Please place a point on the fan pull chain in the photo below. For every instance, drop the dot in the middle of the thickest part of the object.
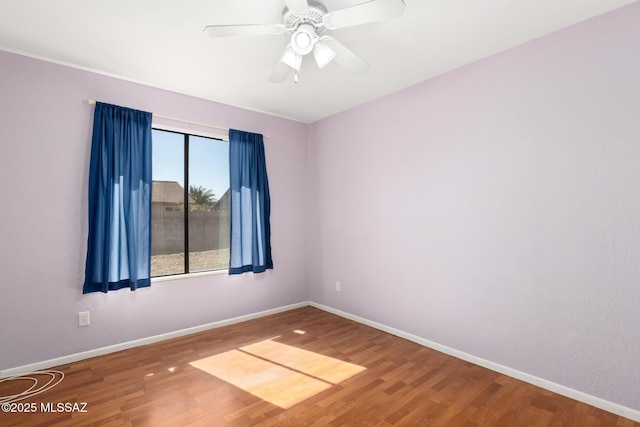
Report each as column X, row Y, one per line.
column 295, row 77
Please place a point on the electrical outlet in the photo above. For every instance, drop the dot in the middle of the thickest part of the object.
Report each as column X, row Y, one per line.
column 338, row 287
column 83, row 318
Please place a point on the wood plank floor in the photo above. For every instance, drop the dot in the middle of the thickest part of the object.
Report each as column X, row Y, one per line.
column 360, row 377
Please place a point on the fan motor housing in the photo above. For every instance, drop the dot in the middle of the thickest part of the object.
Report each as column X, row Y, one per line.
column 313, row 16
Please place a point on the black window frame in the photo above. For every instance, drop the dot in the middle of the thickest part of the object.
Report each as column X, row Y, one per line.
column 186, row 203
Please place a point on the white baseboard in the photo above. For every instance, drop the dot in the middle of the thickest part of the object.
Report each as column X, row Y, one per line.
column 20, row 370
column 614, row 408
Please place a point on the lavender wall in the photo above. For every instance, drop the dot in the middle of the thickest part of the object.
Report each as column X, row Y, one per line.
column 496, row 209
column 45, row 130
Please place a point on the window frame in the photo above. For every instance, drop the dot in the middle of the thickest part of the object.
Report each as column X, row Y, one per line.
column 186, row 133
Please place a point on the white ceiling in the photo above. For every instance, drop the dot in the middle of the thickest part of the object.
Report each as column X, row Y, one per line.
column 161, row 43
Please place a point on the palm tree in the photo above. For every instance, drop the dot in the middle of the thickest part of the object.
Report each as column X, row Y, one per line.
column 202, row 199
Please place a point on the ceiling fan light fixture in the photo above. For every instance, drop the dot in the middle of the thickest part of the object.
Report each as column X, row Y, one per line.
column 292, row 59
column 323, row 54
column 304, row 38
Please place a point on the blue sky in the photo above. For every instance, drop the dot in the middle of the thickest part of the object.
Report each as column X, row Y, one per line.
column 208, row 161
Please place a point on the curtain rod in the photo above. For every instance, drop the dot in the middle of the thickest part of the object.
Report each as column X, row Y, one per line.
column 176, row 119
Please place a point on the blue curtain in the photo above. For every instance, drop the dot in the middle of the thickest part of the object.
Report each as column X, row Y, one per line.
column 250, row 204
column 119, row 243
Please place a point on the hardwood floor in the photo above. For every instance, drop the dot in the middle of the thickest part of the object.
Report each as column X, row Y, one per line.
column 309, row 367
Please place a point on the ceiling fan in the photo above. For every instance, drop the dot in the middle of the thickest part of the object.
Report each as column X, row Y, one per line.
column 307, row 22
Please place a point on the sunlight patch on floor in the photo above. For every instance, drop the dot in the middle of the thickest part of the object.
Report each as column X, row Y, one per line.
column 313, row 364
column 280, row 374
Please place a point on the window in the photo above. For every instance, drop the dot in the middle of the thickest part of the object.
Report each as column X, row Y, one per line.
column 190, row 204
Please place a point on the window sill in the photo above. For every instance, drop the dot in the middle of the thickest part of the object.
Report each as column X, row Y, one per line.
column 188, row 276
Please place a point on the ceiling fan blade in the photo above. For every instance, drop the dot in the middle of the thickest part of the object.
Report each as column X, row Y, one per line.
column 289, row 60
column 280, row 72
column 297, row 6
column 243, row 30
column 364, row 13
column 345, row 57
